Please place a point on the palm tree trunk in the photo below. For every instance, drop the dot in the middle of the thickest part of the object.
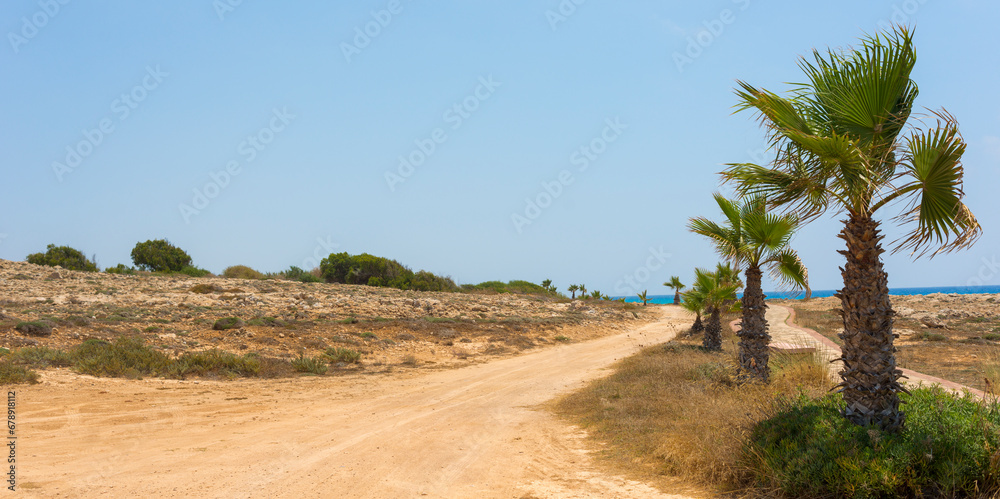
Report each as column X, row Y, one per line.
column 677, row 297
column 697, row 327
column 713, row 331
column 870, row 379
column 754, row 338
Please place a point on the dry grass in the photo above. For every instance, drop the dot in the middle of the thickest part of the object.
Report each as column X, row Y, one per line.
column 674, row 411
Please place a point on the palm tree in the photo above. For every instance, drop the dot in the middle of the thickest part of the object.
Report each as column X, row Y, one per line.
column 841, row 147
column 717, row 295
column 573, row 288
column 693, row 301
column 751, row 236
column 595, row 294
column 643, row 298
column 675, row 284
column 583, row 291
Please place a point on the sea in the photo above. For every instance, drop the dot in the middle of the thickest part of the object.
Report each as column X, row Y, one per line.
column 821, row 293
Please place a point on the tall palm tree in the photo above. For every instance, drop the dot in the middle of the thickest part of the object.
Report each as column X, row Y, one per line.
column 717, row 295
column 843, row 145
column 573, row 288
column 675, row 284
column 750, row 236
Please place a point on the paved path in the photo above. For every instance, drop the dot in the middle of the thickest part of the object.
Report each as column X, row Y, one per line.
column 781, row 321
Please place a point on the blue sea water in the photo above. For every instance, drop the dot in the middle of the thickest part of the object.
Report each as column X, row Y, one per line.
column 821, row 293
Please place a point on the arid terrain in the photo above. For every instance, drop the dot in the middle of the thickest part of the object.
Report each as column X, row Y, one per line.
column 949, row 336
column 466, row 420
column 285, row 319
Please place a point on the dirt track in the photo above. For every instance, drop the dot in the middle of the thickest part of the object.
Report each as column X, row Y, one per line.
column 469, row 432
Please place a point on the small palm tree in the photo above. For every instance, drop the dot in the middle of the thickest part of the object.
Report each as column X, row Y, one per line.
column 573, row 288
column 675, row 284
column 643, row 298
column 751, row 236
column 583, row 291
column 694, row 302
column 717, row 296
column 595, row 294
column 843, row 145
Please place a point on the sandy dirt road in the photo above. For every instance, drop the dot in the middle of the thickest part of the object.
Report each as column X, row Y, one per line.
column 469, row 432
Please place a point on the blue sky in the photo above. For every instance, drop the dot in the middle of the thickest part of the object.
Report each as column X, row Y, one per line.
column 266, row 134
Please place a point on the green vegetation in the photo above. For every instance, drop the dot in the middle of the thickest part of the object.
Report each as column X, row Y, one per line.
column 643, row 298
column 844, row 147
column 512, row 287
column 381, row 272
column 228, row 323
column 63, row 256
column 311, row 365
column 340, row 354
column 161, row 256
column 296, row 274
column 716, row 293
column 241, row 272
column 121, row 269
column 11, row 374
column 34, row 328
column 675, row 284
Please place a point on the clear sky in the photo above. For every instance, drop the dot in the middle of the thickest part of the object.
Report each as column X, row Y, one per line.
column 263, row 133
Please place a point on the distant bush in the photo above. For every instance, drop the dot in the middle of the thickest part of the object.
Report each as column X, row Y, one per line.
column 514, row 287
column 313, row 365
column 380, row 272
column 120, row 269
column 63, row 256
column 160, row 256
column 194, row 271
column 228, row 323
column 34, row 328
column 241, row 272
column 126, row 357
column 296, row 274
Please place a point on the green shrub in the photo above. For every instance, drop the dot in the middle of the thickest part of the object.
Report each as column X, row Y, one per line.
column 313, row 365
column 340, row 354
column 11, row 374
column 194, row 272
column 204, row 289
column 160, row 256
column 216, row 362
column 34, row 328
column 514, row 287
column 63, row 256
column 296, row 274
column 241, row 272
column 40, row 357
column 377, row 271
column 228, row 323
column 949, row 448
column 120, row 269
column 126, row 357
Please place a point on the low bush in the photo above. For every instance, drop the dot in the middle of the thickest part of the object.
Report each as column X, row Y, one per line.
column 40, row 357
column 381, row 272
column 215, row 362
column 191, row 271
column 120, row 269
column 241, row 272
column 11, row 374
column 125, row 357
column 340, row 354
column 63, row 256
column 228, row 323
column 34, row 328
column 296, row 274
column 512, row 287
column 312, row 365
column 949, row 448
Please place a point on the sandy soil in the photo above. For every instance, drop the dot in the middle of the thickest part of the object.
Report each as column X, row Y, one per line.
column 475, row 431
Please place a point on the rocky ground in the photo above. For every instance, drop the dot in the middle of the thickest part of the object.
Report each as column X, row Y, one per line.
column 950, row 336
column 286, row 319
